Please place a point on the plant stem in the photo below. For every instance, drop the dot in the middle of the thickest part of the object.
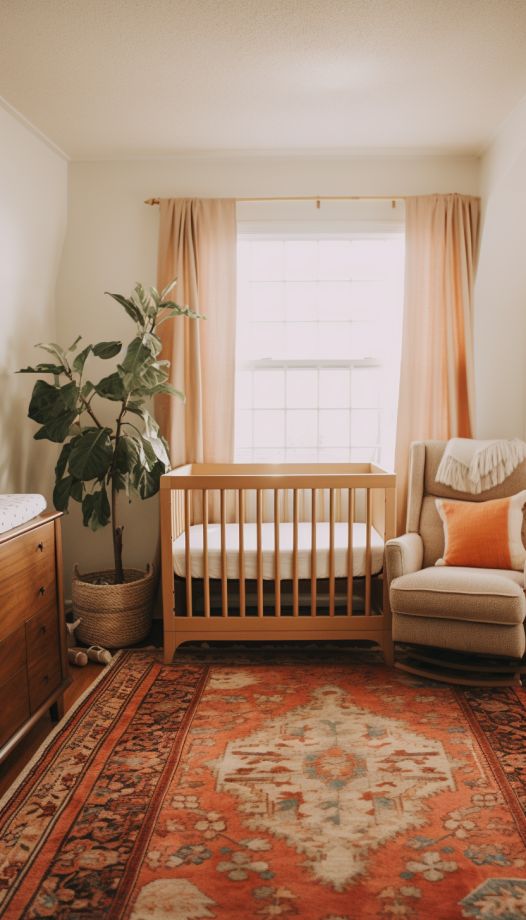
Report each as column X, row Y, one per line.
column 117, row 531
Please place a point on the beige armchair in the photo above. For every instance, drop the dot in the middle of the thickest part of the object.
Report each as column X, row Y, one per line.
column 476, row 611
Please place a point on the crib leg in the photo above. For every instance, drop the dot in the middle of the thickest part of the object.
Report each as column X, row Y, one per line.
column 169, row 647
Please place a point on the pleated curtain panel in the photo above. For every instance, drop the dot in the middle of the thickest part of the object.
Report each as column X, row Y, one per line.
column 436, row 380
column 198, row 245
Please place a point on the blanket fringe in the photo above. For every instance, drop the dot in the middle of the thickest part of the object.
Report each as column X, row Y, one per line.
column 488, row 468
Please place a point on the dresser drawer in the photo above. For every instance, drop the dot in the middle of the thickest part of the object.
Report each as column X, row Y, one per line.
column 12, row 654
column 15, row 704
column 27, row 576
column 45, row 675
column 42, row 634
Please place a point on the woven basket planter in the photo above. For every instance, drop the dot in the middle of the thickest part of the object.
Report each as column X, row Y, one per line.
column 114, row 616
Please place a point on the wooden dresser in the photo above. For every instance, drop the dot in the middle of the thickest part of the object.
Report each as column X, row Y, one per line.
column 33, row 658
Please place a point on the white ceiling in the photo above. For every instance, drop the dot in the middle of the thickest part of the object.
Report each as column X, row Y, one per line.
column 142, row 78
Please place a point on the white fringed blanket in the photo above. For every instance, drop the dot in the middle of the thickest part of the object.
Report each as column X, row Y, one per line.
column 474, row 466
column 17, row 509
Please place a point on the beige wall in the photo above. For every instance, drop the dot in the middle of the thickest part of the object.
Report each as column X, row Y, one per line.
column 33, row 196
column 112, row 238
column 500, row 294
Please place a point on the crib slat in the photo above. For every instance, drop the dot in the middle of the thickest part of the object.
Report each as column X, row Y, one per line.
column 224, row 589
column 242, row 594
column 277, row 579
column 259, row 571
column 331, row 552
column 313, row 599
column 206, row 580
column 187, row 553
column 350, row 520
column 295, row 586
column 368, row 555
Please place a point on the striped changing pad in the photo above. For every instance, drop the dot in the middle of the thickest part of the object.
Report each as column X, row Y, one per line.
column 17, row 509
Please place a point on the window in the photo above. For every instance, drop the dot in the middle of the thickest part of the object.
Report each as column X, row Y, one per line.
column 319, row 328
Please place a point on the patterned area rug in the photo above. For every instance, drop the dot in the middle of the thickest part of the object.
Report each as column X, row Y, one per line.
column 272, row 784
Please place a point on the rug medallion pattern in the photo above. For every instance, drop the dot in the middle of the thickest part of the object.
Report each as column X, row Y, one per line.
column 272, row 785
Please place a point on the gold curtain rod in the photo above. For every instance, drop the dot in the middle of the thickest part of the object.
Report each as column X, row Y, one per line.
column 317, row 198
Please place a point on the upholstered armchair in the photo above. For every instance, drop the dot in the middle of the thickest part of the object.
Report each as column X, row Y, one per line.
column 478, row 611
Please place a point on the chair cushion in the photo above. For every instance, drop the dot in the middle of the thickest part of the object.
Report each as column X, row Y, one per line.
column 458, row 593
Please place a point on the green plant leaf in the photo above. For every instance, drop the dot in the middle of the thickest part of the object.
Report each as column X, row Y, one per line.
column 107, row 349
column 111, row 387
column 55, row 369
column 96, row 509
column 73, row 346
column 87, row 389
column 80, row 360
column 137, row 354
column 131, row 308
column 55, row 408
column 77, row 490
column 50, row 402
column 167, row 290
column 91, row 455
column 54, row 349
column 146, row 482
column 127, row 453
column 167, row 388
column 62, row 461
column 61, row 493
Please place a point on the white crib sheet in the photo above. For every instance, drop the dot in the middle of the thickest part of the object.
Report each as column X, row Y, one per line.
column 285, row 550
column 17, row 509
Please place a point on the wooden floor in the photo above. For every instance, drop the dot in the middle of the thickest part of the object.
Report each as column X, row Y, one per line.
column 81, row 678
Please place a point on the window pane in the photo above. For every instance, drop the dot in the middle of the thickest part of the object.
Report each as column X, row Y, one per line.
column 367, row 454
column 334, row 388
column 365, row 392
column 311, row 309
column 301, row 301
column 269, row 389
column 363, row 341
column 267, row 301
column 334, row 428
column 244, row 428
column 269, row 428
column 326, row 454
column 335, row 300
column 303, row 340
column 366, row 259
column 302, row 428
column 302, row 388
column 301, row 260
column 335, row 340
column 335, row 259
column 299, row 454
column 269, row 454
column 267, row 260
column 364, row 427
column 267, row 340
column 244, row 389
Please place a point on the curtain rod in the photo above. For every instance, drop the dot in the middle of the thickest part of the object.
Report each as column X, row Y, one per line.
column 317, row 198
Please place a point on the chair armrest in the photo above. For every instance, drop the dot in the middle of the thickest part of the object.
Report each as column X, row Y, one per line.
column 403, row 555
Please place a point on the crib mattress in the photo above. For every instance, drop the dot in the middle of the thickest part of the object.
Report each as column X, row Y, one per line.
column 285, row 551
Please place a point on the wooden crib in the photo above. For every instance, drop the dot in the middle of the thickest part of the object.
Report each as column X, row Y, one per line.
column 275, row 551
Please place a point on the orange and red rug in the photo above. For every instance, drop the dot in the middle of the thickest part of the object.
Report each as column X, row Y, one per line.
column 275, row 785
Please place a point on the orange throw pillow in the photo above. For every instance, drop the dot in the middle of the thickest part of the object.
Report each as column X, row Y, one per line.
column 485, row 535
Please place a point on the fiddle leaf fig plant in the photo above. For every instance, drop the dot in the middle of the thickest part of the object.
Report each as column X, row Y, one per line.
column 100, row 459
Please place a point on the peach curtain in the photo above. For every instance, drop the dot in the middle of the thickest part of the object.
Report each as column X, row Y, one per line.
column 436, row 380
column 197, row 245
